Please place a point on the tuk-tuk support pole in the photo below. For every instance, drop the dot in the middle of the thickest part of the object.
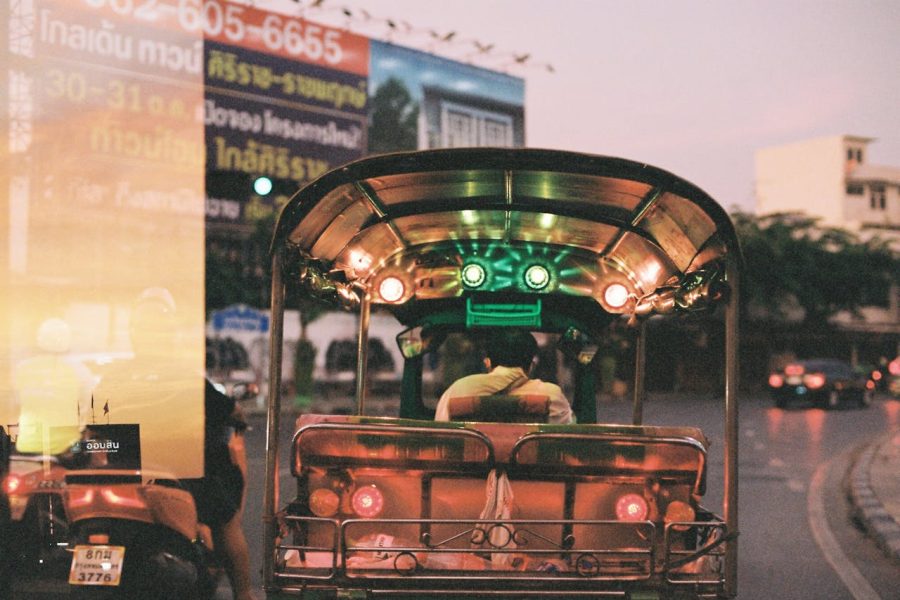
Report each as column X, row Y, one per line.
column 362, row 349
column 732, row 314
column 273, row 415
column 640, row 370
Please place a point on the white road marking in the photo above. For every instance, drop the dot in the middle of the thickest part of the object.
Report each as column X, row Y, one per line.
column 856, row 584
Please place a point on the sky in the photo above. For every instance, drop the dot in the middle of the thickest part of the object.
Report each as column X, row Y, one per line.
column 693, row 87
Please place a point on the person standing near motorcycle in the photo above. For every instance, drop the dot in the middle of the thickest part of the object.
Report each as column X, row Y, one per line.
column 154, row 383
column 220, row 494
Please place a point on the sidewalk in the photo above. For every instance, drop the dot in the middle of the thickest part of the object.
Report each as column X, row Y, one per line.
column 874, row 491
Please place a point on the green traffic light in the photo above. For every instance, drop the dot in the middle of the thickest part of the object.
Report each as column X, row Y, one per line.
column 262, row 185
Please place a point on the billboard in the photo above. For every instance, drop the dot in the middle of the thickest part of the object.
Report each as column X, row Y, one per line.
column 285, row 99
column 420, row 101
column 131, row 131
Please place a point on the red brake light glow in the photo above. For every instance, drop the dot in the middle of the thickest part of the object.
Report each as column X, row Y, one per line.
column 776, row 380
column 792, row 370
column 121, row 500
column 324, row 502
column 631, row 507
column 814, row 380
column 11, row 484
column 876, row 375
column 894, row 367
column 367, row 502
column 870, row 385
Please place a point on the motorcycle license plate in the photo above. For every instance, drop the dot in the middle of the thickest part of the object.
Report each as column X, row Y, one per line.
column 97, row 565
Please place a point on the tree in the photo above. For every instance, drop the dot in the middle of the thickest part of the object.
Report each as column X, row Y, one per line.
column 792, row 261
column 393, row 120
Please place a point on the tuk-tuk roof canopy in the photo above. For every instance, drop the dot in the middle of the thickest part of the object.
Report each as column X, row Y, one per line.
column 532, row 221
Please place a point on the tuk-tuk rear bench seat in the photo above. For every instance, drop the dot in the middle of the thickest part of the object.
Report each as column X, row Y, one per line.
column 434, row 492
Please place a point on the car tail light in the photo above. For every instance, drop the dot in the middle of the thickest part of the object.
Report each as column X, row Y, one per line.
column 791, row 370
column 776, row 380
column 631, row 507
column 367, row 502
column 870, row 385
column 876, row 375
column 11, row 484
column 324, row 502
column 894, row 367
column 814, row 380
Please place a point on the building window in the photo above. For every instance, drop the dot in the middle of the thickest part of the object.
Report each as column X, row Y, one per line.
column 878, row 198
column 849, row 153
column 855, row 189
column 470, row 126
column 858, row 155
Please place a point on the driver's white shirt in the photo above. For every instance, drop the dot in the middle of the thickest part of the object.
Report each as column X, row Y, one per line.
column 511, row 380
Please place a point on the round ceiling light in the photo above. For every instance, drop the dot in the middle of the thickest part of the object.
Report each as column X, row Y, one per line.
column 615, row 295
column 391, row 289
column 473, row 275
column 537, row 277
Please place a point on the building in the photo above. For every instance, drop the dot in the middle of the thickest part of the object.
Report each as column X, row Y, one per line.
column 831, row 178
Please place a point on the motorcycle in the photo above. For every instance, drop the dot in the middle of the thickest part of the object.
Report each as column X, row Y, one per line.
column 135, row 534
column 111, row 513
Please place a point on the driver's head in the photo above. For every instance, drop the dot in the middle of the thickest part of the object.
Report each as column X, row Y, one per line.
column 510, row 348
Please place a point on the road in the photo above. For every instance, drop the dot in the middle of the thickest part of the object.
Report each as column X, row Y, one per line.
column 792, row 464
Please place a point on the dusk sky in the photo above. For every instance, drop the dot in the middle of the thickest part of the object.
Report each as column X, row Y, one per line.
column 694, row 87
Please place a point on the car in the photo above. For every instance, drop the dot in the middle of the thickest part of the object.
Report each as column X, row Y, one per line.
column 826, row 382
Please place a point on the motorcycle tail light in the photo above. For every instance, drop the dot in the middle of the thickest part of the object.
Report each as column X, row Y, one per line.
column 98, row 538
column 367, row 502
column 631, row 507
column 876, row 375
column 870, row 385
column 814, row 380
column 776, row 380
column 324, row 502
column 11, row 484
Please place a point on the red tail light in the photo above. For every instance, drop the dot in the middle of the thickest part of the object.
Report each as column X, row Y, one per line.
column 324, row 502
column 792, row 370
column 876, row 375
column 814, row 380
column 776, row 380
column 631, row 507
column 11, row 484
column 679, row 512
column 122, row 499
column 870, row 385
column 894, row 367
column 367, row 502
column 81, row 497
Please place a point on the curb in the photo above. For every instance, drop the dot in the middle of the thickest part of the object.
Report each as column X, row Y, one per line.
column 867, row 508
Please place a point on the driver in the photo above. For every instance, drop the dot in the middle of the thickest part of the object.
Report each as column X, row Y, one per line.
column 509, row 357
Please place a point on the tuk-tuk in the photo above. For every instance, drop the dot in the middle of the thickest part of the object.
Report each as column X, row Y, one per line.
column 497, row 501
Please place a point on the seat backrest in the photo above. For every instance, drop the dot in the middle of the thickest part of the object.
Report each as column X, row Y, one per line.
column 525, row 408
